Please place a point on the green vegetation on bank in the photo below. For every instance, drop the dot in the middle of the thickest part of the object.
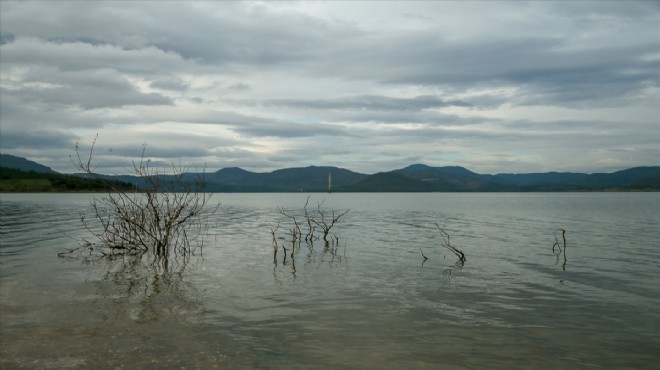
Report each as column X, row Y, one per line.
column 14, row 180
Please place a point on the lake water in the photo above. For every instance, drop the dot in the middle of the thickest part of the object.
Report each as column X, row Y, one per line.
column 370, row 303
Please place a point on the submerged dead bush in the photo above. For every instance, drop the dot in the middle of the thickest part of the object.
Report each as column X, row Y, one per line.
column 558, row 250
column 292, row 236
column 162, row 216
column 446, row 242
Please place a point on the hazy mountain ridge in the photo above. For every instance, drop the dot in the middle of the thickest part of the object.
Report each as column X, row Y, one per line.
column 310, row 178
column 23, row 164
column 413, row 178
column 390, row 182
column 451, row 178
column 462, row 179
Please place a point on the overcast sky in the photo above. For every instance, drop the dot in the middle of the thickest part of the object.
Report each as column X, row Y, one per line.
column 493, row 86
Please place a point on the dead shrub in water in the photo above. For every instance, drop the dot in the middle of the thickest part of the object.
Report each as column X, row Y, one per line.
column 164, row 216
column 558, row 250
column 328, row 220
column 447, row 244
column 324, row 219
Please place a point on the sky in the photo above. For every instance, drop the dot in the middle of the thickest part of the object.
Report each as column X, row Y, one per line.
column 495, row 86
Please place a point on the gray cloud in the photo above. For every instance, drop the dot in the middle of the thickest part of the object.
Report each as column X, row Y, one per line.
column 90, row 95
column 368, row 103
column 291, row 130
column 6, row 38
column 135, row 151
column 225, row 32
column 368, row 86
column 544, row 68
column 169, row 83
column 80, row 56
column 256, row 126
column 239, row 86
column 37, row 138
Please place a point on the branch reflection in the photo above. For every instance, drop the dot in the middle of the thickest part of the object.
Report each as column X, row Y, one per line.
column 148, row 287
column 448, row 273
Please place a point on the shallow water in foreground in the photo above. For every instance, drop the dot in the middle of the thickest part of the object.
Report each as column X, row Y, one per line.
column 371, row 303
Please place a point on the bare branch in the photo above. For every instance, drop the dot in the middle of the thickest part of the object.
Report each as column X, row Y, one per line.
column 326, row 225
column 558, row 250
column 425, row 258
column 158, row 219
column 447, row 244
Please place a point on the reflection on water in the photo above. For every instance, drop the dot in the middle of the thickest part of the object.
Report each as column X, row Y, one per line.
column 370, row 301
column 309, row 257
column 148, row 287
column 448, row 273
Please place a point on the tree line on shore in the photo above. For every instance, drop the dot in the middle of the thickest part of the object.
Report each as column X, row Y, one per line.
column 14, row 180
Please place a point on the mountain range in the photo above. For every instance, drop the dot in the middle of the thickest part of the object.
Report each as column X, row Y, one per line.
column 414, row 178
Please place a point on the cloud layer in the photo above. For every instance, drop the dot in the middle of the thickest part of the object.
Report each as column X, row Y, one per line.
column 493, row 86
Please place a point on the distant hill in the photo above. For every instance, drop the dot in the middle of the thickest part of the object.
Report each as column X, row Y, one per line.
column 637, row 177
column 462, row 179
column 20, row 163
column 390, row 182
column 536, row 179
column 229, row 176
column 305, row 179
column 414, row 178
column 452, row 178
column 419, row 169
column 634, row 178
column 234, row 179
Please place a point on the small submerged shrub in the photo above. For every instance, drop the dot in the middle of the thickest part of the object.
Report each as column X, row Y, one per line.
column 321, row 219
column 163, row 217
column 446, row 242
column 558, row 250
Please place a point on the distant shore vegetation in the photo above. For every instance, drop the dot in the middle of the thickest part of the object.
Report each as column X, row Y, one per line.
column 17, row 181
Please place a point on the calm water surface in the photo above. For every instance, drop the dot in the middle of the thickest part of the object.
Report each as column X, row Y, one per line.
column 371, row 303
